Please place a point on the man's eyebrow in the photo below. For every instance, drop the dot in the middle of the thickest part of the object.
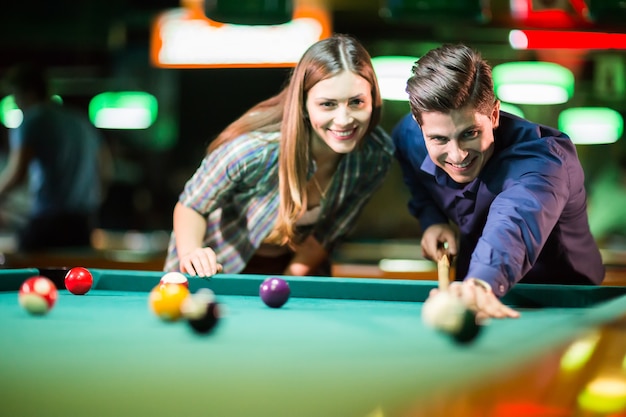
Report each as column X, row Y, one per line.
column 435, row 135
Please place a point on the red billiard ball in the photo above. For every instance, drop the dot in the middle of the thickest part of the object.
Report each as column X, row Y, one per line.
column 165, row 301
column 37, row 295
column 274, row 292
column 78, row 280
column 175, row 278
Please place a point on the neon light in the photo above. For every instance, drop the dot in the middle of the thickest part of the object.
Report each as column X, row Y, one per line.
column 533, row 82
column 406, row 265
column 123, row 110
column 11, row 116
column 550, row 39
column 534, row 14
column 604, row 395
column 579, row 352
column 511, row 108
column 392, row 73
column 184, row 38
column 591, row 125
column 519, row 9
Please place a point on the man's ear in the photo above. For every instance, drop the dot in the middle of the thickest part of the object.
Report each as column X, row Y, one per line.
column 495, row 114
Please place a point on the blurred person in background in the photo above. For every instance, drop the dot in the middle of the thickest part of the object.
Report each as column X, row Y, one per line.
column 61, row 157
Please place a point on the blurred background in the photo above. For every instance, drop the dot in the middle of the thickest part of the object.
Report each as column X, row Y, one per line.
column 195, row 76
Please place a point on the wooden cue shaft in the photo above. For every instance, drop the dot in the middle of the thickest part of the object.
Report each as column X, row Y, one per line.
column 443, row 272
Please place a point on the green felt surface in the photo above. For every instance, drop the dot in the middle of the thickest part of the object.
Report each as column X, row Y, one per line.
column 339, row 347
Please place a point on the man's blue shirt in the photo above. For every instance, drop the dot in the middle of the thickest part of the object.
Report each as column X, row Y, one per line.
column 523, row 217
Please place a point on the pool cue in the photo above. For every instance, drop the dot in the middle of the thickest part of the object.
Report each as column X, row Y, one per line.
column 443, row 272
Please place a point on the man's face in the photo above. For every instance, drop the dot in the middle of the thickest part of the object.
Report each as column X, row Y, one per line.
column 460, row 142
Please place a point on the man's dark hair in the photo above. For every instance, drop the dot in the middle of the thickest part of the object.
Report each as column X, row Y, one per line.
column 449, row 78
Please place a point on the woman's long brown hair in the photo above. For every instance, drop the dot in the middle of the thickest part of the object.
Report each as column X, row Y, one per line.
column 286, row 112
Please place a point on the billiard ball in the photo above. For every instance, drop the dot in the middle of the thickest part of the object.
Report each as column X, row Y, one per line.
column 78, row 280
column 165, row 301
column 447, row 313
column 274, row 292
column 175, row 278
column 201, row 310
column 37, row 295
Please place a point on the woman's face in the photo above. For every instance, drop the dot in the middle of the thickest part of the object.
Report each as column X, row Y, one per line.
column 340, row 109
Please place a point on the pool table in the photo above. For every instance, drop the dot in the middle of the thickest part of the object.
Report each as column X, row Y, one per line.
column 339, row 347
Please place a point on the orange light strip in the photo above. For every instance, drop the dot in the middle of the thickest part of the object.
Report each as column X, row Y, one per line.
column 550, row 39
column 186, row 38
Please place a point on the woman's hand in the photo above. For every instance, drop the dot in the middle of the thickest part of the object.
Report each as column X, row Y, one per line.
column 200, row 262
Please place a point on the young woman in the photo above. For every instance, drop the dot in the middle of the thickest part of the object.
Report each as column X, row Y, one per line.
column 284, row 183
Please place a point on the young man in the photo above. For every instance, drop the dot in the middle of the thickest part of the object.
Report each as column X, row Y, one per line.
column 504, row 195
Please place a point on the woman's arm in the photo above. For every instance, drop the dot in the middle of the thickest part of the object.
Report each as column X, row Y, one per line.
column 189, row 229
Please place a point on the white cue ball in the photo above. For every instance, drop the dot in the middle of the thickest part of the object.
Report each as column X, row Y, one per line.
column 175, row 278
column 444, row 312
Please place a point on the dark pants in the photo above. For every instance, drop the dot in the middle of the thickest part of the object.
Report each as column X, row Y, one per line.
column 52, row 231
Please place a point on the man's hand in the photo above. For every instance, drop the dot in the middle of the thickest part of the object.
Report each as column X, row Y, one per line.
column 479, row 298
column 437, row 240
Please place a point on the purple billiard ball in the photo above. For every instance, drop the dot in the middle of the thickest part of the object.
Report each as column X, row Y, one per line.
column 274, row 292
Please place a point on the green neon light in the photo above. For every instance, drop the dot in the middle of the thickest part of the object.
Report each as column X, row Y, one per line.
column 10, row 115
column 512, row 108
column 392, row 73
column 123, row 110
column 591, row 125
column 533, row 82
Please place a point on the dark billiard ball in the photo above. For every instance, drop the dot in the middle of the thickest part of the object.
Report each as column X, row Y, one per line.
column 207, row 320
column 78, row 280
column 468, row 329
column 274, row 292
column 201, row 311
column 447, row 314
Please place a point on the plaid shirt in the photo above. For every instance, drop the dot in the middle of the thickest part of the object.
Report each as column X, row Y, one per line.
column 236, row 190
